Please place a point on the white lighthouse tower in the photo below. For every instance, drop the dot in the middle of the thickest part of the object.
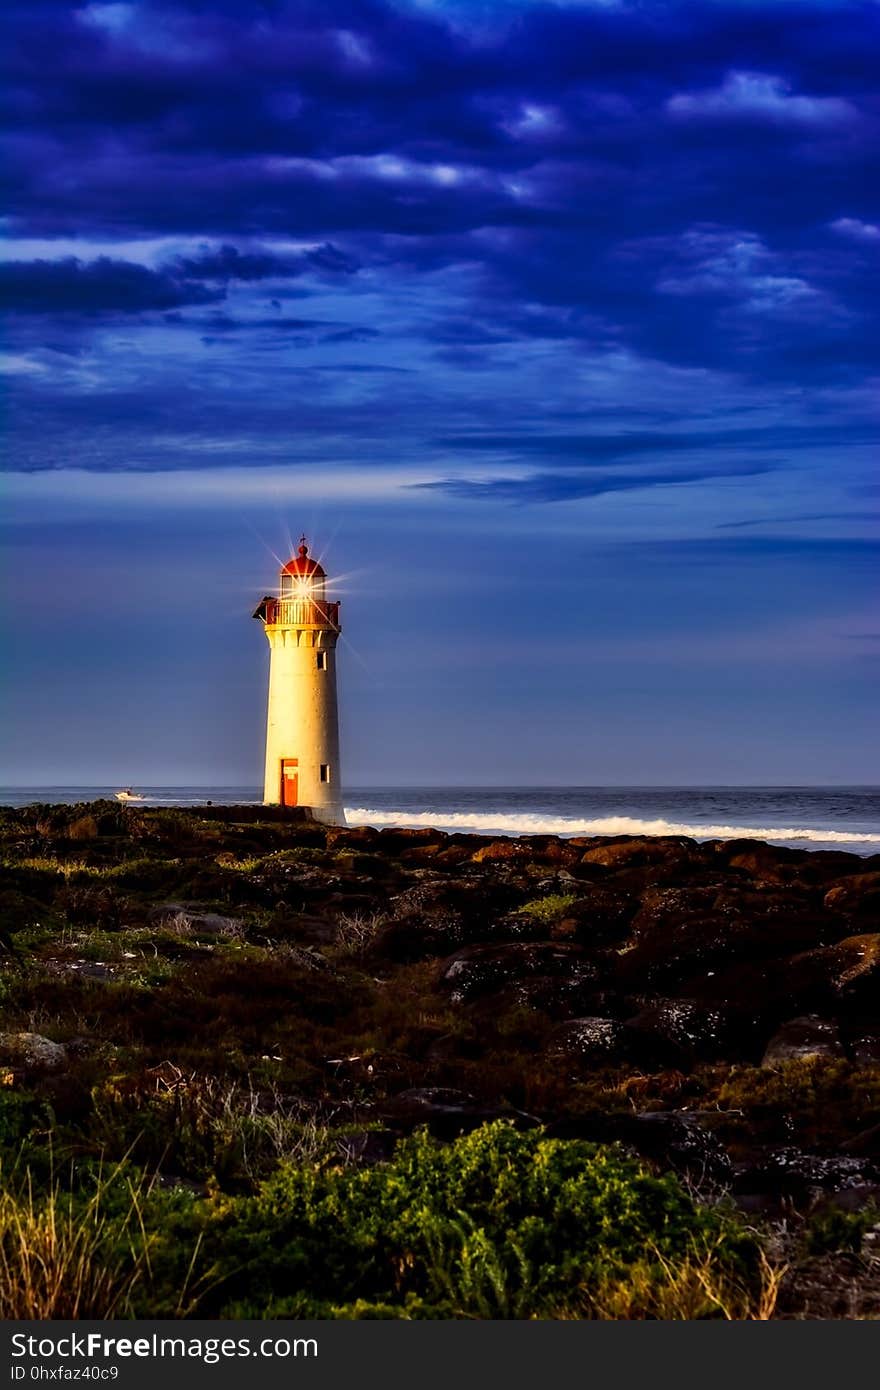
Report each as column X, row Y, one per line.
column 302, row 728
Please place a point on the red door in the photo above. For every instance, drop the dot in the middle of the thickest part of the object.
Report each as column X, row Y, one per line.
column 289, row 781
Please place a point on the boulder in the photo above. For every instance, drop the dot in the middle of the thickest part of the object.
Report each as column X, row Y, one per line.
column 439, row 915
column 797, row 1173
column 356, row 837
column 848, row 971
column 842, row 980
column 675, row 1032
column 446, row 1112
column 590, row 1039
column 30, row 1052
column 418, row 938
column 661, row 852
column 672, row 953
column 864, row 1048
column 678, row 1139
column 479, row 970
column 856, row 896
column 394, row 840
column 599, row 917
column 633, row 852
column 558, row 996
column 801, row 1038
column 671, row 1138
column 779, row 864
column 189, row 921
column 512, row 849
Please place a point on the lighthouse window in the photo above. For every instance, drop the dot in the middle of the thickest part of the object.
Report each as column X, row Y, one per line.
column 325, row 772
column 322, row 661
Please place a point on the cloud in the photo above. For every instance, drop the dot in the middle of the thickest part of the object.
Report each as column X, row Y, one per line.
column 229, row 263
column 582, row 449
column 856, row 230
column 546, row 215
column 72, row 286
column 763, row 97
column 568, row 487
column 792, row 519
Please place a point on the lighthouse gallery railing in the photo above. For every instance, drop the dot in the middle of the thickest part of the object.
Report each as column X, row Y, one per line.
column 300, row 612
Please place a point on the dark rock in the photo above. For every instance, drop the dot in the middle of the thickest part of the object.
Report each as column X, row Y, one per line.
column 473, row 899
column 801, row 1038
column 599, row 917
column 189, row 921
column 355, row 837
column 864, row 1048
column 438, row 915
column 670, row 1138
column 307, row 928
column 419, row 938
column 797, row 1173
column 848, row 971
column 831, row 980
column 363, row 1148
column 30, row 1052
column 865, row 1144
column 779, row 864
column 512, row 849
column 679, row 930
column 675, row 1032
column 586, row 1039
column 632, row 852
column 394, row 840
column 550, row 849
column 680, row 1140
column 558, row 996
column 856, row 896
column 446, row 1112
column 80, row 969
column 478, row 970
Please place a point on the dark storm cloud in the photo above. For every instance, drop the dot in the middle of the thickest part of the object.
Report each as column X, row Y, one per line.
column 566, row 487
column 686, row 184
column 581, row 449
column 103, row 285
column 229, row 263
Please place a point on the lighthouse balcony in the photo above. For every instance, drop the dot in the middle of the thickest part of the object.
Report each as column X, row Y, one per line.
column 298, row 612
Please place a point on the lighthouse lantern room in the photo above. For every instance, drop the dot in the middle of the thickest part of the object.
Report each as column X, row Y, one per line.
column 302, row 727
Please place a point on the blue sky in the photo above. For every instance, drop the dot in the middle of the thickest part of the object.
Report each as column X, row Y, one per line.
column 553, row 325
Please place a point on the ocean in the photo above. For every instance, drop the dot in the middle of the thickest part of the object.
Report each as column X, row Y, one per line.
column 845, row 818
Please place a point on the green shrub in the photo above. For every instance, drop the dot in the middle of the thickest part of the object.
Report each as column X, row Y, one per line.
column 498, row 1224
column 549, row 909
column 832, row 1229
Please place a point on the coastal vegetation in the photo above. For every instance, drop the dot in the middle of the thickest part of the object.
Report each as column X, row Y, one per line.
column 252, row 1066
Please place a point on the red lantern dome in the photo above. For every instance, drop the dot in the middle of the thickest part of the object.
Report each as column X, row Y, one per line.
column 303, row 566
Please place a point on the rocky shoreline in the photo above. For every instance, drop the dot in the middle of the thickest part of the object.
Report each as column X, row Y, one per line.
column 713, row 1007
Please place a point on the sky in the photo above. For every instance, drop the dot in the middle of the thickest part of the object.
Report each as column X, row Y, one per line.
column 552, row 325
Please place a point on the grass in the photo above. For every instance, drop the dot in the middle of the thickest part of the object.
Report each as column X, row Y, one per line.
column 54, row 1255
column 213, row 1065
column 695, row 1286
column 355, row 932
column 549, row 909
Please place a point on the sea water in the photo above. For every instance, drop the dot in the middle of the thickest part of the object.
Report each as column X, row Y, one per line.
column 845, row 818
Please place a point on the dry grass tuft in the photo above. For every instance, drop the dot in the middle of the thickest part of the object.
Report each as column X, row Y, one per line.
column 699, row 1286
column 52, row 1258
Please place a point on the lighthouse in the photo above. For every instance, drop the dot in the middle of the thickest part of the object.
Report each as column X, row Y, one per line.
column 302, row 726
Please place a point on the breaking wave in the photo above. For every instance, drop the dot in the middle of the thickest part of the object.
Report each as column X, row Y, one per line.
column 523, row 823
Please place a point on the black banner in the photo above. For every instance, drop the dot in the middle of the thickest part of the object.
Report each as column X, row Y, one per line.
column 196, row 1355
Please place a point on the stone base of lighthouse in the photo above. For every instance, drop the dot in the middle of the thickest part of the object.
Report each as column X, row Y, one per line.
column 302, row 731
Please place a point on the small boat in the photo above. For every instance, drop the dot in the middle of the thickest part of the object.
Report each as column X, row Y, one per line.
column 128, row 795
